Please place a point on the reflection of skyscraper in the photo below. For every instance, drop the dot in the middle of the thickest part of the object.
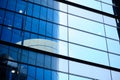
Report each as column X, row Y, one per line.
column 28, row 24
column 59, row 39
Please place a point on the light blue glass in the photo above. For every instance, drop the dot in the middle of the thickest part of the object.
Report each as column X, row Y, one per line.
column 88, row 54
column 114, row 60
column 87, row 39
column 89, row 3
column 72, row 77
column 109, row 20
column 93, row 72
column 84, row 13
column 107, row 1
column 86, row 25
column 107, row 8
column 113, row 46
column 115, row 75
column 111, row 32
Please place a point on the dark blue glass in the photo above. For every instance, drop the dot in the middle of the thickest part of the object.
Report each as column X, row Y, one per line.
column 50, row 15
column 48, row 61
column 49, row 29
column 32, row 57
column 40, row 60
column 16, row 36
column 11, row 4
column 34, row 36
column 2, row 12
column 3, row 3
column 28, row 24
column 18, row 21
column 26, row 35
column 21, row 6
column 43, row 13
column 48, row 75
column 6, row 31
column 42, row 27
column 24, row 56
column 36, row 11
column 39, row 74
column 31, row 73
column 29, row 9
column 8, row 20
column 35, row 25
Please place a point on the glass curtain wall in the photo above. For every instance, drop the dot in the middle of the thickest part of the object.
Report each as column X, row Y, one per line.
column 60, row 29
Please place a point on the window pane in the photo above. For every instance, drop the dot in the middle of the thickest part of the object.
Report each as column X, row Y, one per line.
column 115, row 75
column 89, row 3
column 78, row 78
column 88, row 54
column 2, row 12
column 114, row 60
column 86, row 25
column 36, row 11
column 111, row 32
column 87, row 39
column 107, row 8
column 113, row 46
column 89, row 71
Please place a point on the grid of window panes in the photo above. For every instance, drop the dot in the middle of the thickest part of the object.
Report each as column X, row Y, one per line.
column 80, row 33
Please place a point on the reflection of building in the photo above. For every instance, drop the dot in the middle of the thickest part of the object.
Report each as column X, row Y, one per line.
column 79, row 40
column 26, row 23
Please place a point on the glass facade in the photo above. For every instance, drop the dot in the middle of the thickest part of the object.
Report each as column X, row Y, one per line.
column 47, row 39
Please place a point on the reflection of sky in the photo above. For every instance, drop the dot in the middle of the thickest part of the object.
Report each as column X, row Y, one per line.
column 89, row 39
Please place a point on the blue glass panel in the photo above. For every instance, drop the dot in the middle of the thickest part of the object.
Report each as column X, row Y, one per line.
column 21, row 6
column 31, row 73
column 11, row 4
column 47, row 75
column 8, row 20
column 26, row 35
column 40, row 60
column 44, row 2
column 29, row 9
column 35, row 25
column 6, row 31
column 49, row 29
column 43, row 13
column 16, row 36
column 36, row 11
column 50, row 15
column 28, row 23
column 39, row 74
column 24, row 56
column 4, row 49
column 32, row 58
column 13, row 53
column 50, row 3
column 18, row 21
column 33, row 36
column 3, row 3
column 56, row 30
column 48, row 61
column 42, row 27
column 2, row 12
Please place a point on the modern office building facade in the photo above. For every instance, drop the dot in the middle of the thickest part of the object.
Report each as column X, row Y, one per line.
column 59, row 40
